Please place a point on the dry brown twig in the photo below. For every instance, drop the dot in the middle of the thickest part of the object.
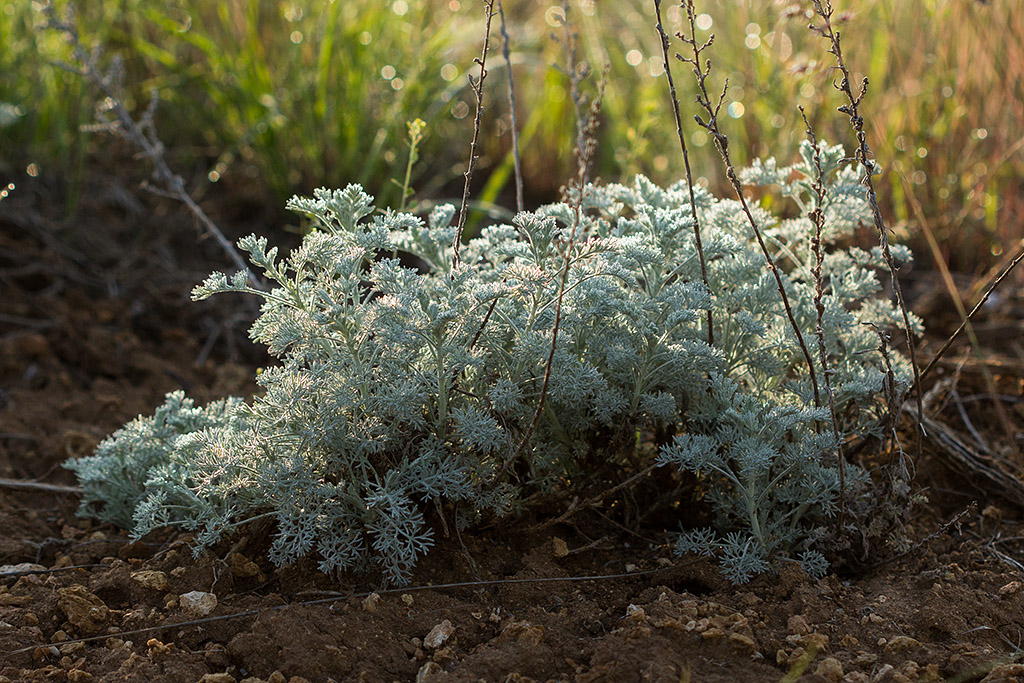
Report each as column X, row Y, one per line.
column 477, row 86
column 863, row 155
column 817, row 217
column 686, row 162
column 701, row 70
column 142, row 132
column 517, row 162
column 586, row 145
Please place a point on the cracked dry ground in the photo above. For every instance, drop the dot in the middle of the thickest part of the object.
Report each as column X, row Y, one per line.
column 86, row 347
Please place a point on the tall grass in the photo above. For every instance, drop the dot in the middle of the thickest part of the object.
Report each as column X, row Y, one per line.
column 290, row 95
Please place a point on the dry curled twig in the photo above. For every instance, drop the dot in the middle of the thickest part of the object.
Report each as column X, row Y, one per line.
column 141, row 132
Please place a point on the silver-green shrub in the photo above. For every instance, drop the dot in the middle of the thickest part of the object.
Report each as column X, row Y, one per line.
column 405, row 392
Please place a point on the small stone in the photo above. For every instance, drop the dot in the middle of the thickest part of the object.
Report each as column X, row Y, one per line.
column 216, row 656
column 72, row 648
column 244, row 568
column 1005, row 673
column 178, row 572
column 8, row 600
column 743, row 641
column 561, row 549
column 427, row 670
column 630, row 568
column 218, row 678
column 83, row 610
column 884, row 672
column 198, row 603
column 21, row 568
column 153, row 580
column 277, row 677
column 902, row 643
column 1011, row 588
column 79, row 676
column 797, row 625
column 831, row 669
column 371, row 602
column 438, row 635
column 407, row 599
column 523, row 632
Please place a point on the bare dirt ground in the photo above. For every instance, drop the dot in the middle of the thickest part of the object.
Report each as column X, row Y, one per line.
column 95, row 326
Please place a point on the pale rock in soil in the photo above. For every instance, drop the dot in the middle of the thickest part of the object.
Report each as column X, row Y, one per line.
column 21, row 568
column 218, row 678
column 154, row 580
column 427, row 670
column 901, row 643
column 797, row 625
column 831, row 669
column 198, row 603
column 371, row 602
column 438, row 635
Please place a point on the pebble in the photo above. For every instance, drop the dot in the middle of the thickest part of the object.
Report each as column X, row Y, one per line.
column 154, row 580
column 84, row 610
column 198, row 603
column 438, row 635
column 371, row 602
column 831, row 669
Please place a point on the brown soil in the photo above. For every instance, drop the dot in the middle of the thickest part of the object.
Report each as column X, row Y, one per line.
column 95, row 327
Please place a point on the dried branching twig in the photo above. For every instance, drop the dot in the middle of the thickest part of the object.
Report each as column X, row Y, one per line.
column 517, row 162
column 701, row 70
column 141, row 132
column 477, row 85
column 966, row 320
column 817, row 217
column 586, row 145
column 686, row 162
column 823, row 8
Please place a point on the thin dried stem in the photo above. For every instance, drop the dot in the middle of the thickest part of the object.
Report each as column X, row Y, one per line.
column 38, row 486
column 823, row 8
column 142, row 132
column 477, row 85
column 516, row 161
column 586, row 145
column 686, row 162
column 1014, row 261
column 947, row 277
column 817, row 217
column 701, row 69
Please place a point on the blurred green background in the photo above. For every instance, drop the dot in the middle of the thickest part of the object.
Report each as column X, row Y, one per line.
column 275, row 98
